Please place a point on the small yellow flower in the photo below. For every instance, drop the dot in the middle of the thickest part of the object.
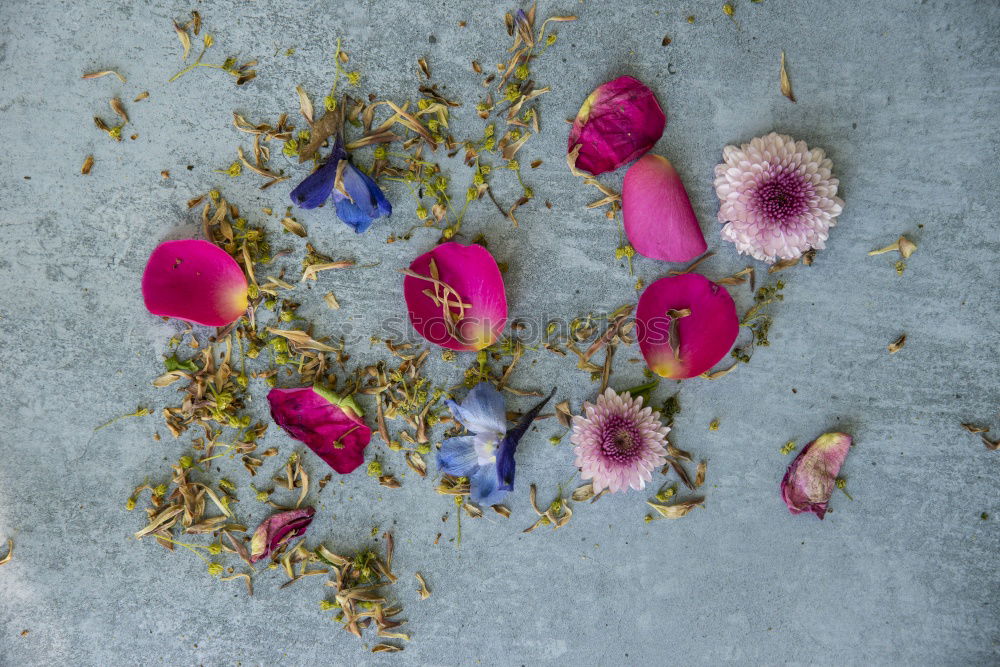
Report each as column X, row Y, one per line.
column 354, row 78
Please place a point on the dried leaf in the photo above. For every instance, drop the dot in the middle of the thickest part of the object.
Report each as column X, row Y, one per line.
column 897, row 345
column 322, row 129
column 386, row 648
column 87, row 164
column 502, row 510
column 783, row 264
column 184, row 38
column 294, row 227
column 301, row 339
column 699, row 475
column 786, row 83
column 10, row 552
column 331, row 301
column 305, row 105
column 241, row 575
column 416, row 463
column 677, row 510
column 98, row 75
column 423, row 590
column 975, row 428
column 563, row 414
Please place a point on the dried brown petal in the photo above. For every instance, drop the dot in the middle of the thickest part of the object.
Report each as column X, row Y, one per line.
column 582, row 493
column 424, row 67
column 116, row 106
column 563, row 414
column 423, row 590
column 87, row 164
column 783, row 264
column 301, row 339
column 305, row 105
column 666, row 40
column 786, row 83
column 677, row 510
column 386, row 648
column 98, row 75
column 294, row 227
column 992, row 445
column 389, row 481
column 184, row 38
column 10, row 552
column 331, row 301
column 416, row 463
column 897, row 345
column 699, row 475
column 141, row 96
column 502, row 510
column 241, row 575
column 975, row 428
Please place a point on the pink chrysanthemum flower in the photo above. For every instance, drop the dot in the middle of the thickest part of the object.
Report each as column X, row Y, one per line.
column 618, row 442
column 777, row 198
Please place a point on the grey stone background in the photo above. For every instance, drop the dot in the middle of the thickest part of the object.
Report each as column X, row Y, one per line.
column 902, row 95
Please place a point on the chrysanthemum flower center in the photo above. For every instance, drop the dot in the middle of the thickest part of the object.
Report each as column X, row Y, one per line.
column 783, row 197
column 622, row 440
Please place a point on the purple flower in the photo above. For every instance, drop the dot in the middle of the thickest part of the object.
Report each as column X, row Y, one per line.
column 363, row 202
column 486, row 455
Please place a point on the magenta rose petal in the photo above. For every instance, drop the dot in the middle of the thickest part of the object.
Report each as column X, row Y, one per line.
column 330, row 426
column 277, row 529
column 195, row 281
column 465, row 281
column 617, row 123
column 685, row 324
column 657, row 213
column 810, row 478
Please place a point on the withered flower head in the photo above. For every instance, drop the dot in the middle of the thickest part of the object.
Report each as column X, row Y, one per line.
column 810, row 478
column 277, row 529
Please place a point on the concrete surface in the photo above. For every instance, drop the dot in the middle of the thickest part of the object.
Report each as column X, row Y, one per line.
column 902, row 95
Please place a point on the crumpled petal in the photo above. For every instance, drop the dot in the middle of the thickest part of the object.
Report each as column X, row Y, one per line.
column 657, row 213
column 482, row 411
column 472, row 272
column 277, row 529
column 366, row 202
column 702, row 338
column 457, row 456
column 617, row 123
column 810, row 478
column 505, row 455
column 331, row 426
column 195, row 281
column 484, row 486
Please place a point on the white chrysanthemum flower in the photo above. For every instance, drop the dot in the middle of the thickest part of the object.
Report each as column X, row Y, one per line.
column 618, row 442
column 777, row 197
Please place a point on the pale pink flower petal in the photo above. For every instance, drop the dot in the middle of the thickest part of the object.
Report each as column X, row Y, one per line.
column 810, row 478
column 618, row 442
column 196, row 281
column 777, row 198
column 700, row 339
column 657, row 213
column 617, row 123
column 473, row 273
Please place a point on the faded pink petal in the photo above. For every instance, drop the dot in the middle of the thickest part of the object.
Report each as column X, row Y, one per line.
column 617, row 123
column 277, row 529
column 473, row 273
column 810, row 478
column 330, row 425
column 196, row 281
column 659, row 220
column 702, row 338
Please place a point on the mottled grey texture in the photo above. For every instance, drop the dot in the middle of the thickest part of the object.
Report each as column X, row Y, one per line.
column 902, row 95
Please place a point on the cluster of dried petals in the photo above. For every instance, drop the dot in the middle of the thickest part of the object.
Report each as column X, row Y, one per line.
column 811, row 477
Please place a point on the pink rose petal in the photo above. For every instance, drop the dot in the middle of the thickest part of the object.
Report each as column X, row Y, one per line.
column 473, row 273
column 810, row 478
column 657, row 213
column 277, row 529
column 330, row 425
column 702, row 338
column 617, row 123
column 196, row 281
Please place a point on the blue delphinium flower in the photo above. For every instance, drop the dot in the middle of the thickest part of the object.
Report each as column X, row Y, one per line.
column 364, row 201
column 486, row 455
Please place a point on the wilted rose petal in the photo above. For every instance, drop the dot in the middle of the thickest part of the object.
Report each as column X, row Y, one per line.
column 277, row 529
column 617, row 123
column 810, row 478
column 657, row 213
column 196, row 281
column 685, row 324
column 330, row 425
column 449, row 273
